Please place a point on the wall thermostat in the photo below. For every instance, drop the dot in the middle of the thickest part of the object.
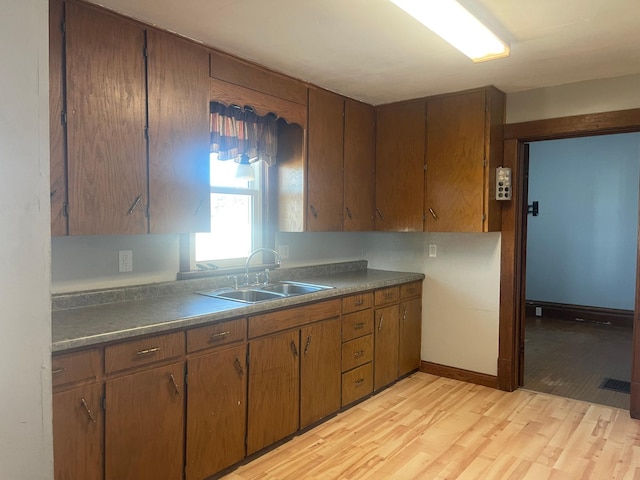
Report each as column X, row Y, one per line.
column 503, row 183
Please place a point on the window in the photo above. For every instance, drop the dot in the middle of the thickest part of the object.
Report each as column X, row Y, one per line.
column 236, row 216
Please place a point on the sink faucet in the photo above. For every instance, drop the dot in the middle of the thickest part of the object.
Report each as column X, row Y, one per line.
column 257, row 250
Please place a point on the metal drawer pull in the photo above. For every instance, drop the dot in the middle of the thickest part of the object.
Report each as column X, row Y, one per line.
column 294, row 350
column 86, row 407
column 175, row 385
column 314, row 212
column 306, row 347
column 239, row 367
column 359, row 381
column 358, row 326
column 380, row 324
column 380, row 213
column 433, row 214
column 349, row 213
column 404, row 315
column 358, row 354
column 135, row 204
column 58, row 370
column 219, row 336
column 359, row 303
column 388, row 295
column 146, row 351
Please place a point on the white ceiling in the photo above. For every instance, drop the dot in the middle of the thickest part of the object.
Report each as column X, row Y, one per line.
column 372, row 51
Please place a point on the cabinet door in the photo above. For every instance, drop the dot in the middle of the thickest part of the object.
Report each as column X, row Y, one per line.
column 78, row 423
column 274, row 395
column 385, row 365
column 400, row 137
column 216, row 411
column 325, row 176
column 57, row 134
column 107, row 173
column 359, row 166
column 179, row 191
column 320, row 371
column 454, row 200
column 410, row 335
column 145, row 424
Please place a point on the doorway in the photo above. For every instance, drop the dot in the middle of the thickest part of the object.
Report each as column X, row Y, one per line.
column 580, row 235
column 512, row 281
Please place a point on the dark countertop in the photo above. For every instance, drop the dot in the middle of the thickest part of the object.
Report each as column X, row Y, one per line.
column 90, row 325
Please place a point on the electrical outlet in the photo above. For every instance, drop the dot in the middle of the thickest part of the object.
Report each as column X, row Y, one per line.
column 433, row 250
column 283, row 250
column 125, row 261
column 538, row 311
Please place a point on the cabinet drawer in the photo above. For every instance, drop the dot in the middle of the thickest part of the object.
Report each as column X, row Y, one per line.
column 136, row 353
column 357, row 352
column 292, row 317
column 388, row 295
column 412, row 289
column 215, row 335
column 357, row 324
column 75, row 367
column 357, row 383
column 357, row 302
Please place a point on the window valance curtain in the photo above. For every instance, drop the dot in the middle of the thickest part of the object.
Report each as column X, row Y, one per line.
column 236, row 132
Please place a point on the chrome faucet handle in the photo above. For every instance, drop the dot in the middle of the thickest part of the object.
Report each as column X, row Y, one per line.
column 266, row 276
column 234, row 280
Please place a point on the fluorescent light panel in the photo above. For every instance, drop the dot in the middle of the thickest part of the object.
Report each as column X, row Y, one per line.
column 454, row 23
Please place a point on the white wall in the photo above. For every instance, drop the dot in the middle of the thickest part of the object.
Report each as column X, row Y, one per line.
column 581, row 248
column 25, row 365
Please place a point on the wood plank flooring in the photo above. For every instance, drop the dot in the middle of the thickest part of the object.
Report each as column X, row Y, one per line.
column 571, row 359
column 428, row 427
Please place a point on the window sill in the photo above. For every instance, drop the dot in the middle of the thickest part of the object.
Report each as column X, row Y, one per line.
column 223, row 272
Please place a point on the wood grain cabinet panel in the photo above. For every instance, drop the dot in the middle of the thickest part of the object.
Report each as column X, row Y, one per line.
column 144, row 351
column 463, row 133
column 81, row 366
column 357, row 352
column 106, row 109
column 353, row 303
column 357, row 383
column 178, row 102
column 78, row 423
column 410, row 335
column 386, row 337
column 320, row 373
column 357, row 324
column 144, row 424
column 216, row 335
column 216, row 411
column 400, row 159
column 325, row 161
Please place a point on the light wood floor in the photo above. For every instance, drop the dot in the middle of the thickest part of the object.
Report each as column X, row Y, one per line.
column 428, row 427
column 571, row 359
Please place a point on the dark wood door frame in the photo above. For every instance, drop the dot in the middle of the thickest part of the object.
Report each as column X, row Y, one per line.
column 512, row 245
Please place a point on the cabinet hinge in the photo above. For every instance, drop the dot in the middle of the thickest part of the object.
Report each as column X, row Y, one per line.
column 63, row 27
column 247, row 364
column 146, row 132
column 65, row 209
column 425, row 167
column 484, row 217
column 63, row 118
column 145, row 53
column 186, row 378
column 484, row 162
column 146, row 211
column 104, row 403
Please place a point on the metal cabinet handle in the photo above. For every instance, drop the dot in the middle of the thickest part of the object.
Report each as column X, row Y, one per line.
column 294, row 349
column 404, row 315
column 433, row 214
column 239, row 367
column 135, row 204
column 306, row 347
column 88, row 410
column 358, row 354
column 349, row 213
column 53, row 192
column 219, row 336
column 379, row 213
column 314, row 212
column 358, row 326
column 359, row 381
column 359, row 303
column 175, row 385
column 147, row 351
column 380, row 324
column 58, row 370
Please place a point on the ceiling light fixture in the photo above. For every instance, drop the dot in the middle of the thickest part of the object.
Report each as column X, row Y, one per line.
column 245, row 170
column 454, row 23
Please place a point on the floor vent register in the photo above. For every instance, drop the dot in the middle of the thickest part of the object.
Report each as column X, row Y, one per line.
column 616, row 385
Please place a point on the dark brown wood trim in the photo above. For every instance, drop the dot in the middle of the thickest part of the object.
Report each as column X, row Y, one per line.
column 459, row 374
column 621, row 121
column 560, row 311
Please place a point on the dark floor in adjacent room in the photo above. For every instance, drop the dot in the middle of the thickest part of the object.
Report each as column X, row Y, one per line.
column 572, row 359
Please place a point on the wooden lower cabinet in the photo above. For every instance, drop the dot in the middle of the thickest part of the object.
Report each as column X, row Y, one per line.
column 320, row 373
column 386, row 335
column 274, row 389
column 410, row 335
column 216, row 411
column 78, row 424
column 144, row 424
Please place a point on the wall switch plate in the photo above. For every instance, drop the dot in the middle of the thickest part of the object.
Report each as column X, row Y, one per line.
column 503, row 183
column 125, row 261
column 433, row 250
column 538, row 311
column 283, row 250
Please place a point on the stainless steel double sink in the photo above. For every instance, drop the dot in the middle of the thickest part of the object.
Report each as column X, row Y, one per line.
column 263, row 293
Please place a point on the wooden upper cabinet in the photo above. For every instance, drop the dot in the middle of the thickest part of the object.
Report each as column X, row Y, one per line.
column 464, row 139
column 179, row 191
column 400, row 149
column 359, row 166
column 325, row 161
column 57, row 135
column 107, row 171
